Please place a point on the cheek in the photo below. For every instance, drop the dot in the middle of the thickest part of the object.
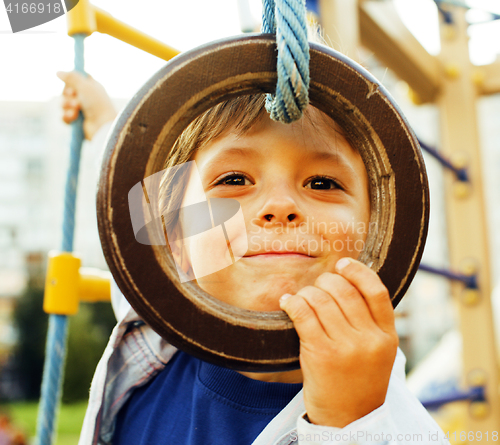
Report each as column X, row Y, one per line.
column 208, row 252
column 344, row 220
column 219, row 247
column 343, row 229
column 236, row 229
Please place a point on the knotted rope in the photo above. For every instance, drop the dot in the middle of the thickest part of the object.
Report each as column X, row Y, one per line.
column 287, row 19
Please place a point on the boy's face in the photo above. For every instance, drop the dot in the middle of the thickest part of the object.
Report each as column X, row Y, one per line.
column 304, row 195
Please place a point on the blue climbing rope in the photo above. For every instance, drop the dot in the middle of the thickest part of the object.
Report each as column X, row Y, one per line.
column 287, row 19
column 460, row 173
column 55, row 351
column 470, row 281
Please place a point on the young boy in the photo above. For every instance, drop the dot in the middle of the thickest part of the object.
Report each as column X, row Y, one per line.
column 292, row 182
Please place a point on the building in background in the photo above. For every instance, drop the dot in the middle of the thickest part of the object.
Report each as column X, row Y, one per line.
column 34, row 146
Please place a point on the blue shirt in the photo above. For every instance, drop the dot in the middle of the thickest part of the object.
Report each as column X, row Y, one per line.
column 194, row 402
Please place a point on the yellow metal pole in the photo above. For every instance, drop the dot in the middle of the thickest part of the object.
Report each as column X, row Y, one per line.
column 85, row 18
column 107, row 24
column 94, row 285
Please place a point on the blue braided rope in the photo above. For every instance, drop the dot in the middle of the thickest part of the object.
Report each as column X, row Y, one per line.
column 55, row 351
column 268, row 19
column 287, row 18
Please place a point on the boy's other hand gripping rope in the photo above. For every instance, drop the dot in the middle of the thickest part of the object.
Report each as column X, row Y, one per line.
column 287, row 19
column 55, row 351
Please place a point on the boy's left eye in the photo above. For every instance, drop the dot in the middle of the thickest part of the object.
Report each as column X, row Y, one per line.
column 322, row 183
column 234, row 179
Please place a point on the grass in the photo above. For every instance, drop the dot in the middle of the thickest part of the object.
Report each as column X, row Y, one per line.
column 70, row 419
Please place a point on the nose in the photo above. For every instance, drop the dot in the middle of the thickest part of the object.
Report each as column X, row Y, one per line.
column 280, row 207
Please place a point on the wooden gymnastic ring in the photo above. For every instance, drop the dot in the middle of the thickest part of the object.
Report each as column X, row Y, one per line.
column 143, row 136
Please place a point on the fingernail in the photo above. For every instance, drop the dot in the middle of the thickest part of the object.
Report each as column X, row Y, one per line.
column 342, row 263
column 284, row 297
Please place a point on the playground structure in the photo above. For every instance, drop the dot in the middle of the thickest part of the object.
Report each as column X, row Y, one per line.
column 451, row 81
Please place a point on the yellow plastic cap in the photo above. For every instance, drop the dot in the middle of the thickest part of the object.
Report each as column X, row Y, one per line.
column 81, row 19
column 61, row 284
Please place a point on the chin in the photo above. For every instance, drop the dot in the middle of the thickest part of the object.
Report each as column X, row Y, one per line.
column 265, row 306
column 252, row 292
column 268, row 300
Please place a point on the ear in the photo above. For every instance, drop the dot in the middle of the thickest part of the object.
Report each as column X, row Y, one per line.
column 181, row 257
column 179, row 251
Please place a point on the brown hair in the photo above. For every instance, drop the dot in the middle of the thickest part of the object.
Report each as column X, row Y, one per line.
column 239, row 114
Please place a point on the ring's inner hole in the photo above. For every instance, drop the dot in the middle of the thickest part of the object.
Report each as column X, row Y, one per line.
column 251, row 209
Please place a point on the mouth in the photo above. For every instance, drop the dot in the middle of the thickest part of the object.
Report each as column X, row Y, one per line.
column 279, row 255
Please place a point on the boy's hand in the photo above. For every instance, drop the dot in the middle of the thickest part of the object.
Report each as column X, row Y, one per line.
column 348, row 343
column 86, row 94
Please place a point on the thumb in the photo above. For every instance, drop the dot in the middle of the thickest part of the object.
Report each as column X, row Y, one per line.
column 71, row 78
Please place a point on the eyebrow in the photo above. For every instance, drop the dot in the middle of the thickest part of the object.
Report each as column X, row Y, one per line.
column 240, row 151
column 324, row 155
column 328, row 156
column 229, row 152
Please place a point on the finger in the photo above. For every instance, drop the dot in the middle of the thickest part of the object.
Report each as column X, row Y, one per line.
column 70, row 104
column 348, row 299
column 72, row 78
column 62, row 75
column 69, row 92
column 304, row 319
column 70, row 115
column 330, row 316
column 371, row 288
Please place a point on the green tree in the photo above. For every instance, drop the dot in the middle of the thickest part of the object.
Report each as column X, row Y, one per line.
column 88, row 334
column 31, row 324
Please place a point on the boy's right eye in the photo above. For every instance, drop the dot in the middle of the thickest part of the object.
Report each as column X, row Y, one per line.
column 234, row 179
